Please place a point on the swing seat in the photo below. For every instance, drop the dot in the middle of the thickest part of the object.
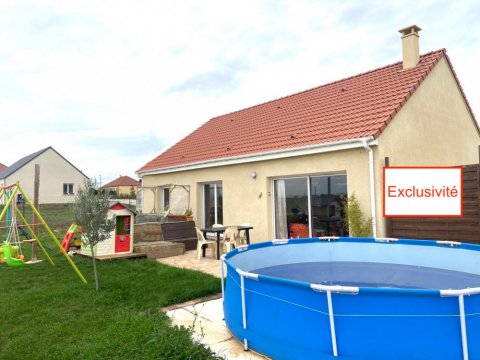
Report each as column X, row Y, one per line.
column 13, row 251
column 11, row 261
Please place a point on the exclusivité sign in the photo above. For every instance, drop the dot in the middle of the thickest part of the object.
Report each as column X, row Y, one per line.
column 422, row 191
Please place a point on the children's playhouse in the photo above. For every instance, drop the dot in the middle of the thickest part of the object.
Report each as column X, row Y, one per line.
column 121, row 238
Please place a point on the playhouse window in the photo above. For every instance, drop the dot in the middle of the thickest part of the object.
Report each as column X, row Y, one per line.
column 67, row 189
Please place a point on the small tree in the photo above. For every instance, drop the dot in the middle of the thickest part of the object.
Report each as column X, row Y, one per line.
column 90, row 210
column 355, row 222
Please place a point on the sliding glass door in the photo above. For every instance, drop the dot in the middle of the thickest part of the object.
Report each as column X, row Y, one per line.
column 327, row 193
column 291, row 208
column 309, row 206
column 212, row 204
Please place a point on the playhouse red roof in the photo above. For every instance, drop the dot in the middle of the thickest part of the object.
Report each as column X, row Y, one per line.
column 123, row 181
column 355, row 107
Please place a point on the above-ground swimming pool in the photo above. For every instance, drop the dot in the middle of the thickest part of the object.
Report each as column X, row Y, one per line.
column 355, row 298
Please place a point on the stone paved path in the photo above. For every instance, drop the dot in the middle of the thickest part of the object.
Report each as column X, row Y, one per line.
column 206, row 318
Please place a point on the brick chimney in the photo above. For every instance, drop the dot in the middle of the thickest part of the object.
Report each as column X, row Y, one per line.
column 410, row 46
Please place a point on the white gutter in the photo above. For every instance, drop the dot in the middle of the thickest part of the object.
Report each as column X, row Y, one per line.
column 270, row 155
column 372, row 187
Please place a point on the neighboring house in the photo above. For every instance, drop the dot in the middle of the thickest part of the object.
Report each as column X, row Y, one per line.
column 124, row 185
column 283, row 166
column 59, row 179
column 2, row 167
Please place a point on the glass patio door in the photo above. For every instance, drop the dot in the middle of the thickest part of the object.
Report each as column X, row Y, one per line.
column 326, row 198
column 291, row 208
column 309, row 206
column 212, row 204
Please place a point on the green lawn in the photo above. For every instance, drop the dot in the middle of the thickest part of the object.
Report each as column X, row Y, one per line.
column 48, row 313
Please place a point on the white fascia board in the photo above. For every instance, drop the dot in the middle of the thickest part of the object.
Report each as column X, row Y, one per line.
column 270, row 155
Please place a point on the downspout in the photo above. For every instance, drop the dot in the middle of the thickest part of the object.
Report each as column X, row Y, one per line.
column 372, row 187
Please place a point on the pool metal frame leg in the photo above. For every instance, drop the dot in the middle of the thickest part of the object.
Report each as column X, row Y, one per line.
column 328, row 289
column 244, row 309
column 332, row 324
column 461, row 306
column 243, row 275
column 463, row 327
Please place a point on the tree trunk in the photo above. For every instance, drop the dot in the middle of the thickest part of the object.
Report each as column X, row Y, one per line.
column 94, row 268
column 36, row 191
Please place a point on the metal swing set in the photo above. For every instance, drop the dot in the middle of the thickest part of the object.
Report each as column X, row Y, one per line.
column 12, row 249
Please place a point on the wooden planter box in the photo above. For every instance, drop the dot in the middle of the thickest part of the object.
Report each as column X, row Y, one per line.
column 179, row 218
column 149, row 234
column 181, row 231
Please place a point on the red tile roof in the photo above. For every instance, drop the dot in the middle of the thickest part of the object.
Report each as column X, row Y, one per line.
column 123, row 181
column 355, row 107
column 2, row 167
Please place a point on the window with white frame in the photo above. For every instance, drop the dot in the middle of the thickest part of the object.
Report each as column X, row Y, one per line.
column 165, row 198
column 68, row 189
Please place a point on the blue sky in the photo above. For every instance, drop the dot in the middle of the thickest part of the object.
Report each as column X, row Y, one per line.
column 111, row 84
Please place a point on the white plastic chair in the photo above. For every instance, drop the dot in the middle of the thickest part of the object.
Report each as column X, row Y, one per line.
column 230, row 238
column 242, row 237
column 201, row 242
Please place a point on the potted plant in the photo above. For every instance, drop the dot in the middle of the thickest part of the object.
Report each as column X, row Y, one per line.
column 189, row 215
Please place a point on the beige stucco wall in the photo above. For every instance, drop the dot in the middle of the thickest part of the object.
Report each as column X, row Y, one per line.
column 433, row 128
column 250, row 200
column 54, row 172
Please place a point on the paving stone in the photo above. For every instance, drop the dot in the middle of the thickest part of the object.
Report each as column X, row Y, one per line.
column 210, row 310
column 208, row 264
column 210, row 329
column 233, row 350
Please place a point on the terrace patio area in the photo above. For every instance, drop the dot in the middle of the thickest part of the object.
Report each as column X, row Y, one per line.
column 206, row 317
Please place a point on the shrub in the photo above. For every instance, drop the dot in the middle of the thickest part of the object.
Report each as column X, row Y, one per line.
column 355, row 222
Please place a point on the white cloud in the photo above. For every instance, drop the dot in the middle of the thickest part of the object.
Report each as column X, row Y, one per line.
column 110, row 84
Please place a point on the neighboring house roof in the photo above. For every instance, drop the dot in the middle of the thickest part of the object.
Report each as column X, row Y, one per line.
column 353, row 108
column 2, row 167
column 24, row 161
column 123, row 181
